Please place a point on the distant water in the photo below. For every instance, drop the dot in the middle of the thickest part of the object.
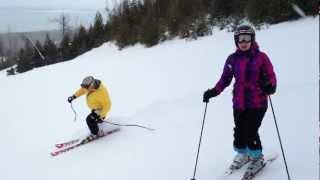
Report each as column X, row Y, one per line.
column 27, row 20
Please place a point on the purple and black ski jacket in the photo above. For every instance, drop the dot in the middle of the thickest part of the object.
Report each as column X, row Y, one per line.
column 251, row 70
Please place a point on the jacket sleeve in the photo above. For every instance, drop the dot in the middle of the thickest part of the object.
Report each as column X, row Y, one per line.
column 80, row 92
column 226, row 76
column 268, row 72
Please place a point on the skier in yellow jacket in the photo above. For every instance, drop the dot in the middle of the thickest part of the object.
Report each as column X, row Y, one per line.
column 98, row 101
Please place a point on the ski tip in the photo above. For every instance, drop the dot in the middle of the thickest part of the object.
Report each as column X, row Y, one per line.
column 53, row 154
column 272, row 157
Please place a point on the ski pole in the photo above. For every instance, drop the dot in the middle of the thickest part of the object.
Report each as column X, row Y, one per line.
column 74, row 111
column 195, row 167
column 117, row 124
column 278, row 132
column 136, row 125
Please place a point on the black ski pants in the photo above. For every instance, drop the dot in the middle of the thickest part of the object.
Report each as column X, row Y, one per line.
column 92, row 123
column 247, row 123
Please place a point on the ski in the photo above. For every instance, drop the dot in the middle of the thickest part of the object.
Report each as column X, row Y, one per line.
column 82, row 142
column 232, row 170
column 251, row 176
column 229, row 171
column 68, row 143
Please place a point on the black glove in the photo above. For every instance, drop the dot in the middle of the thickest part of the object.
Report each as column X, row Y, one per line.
column 71, row 98
column 209, row 94
column 268, row 88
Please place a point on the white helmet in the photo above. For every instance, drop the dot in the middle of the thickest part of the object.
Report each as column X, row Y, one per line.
column 87, row 81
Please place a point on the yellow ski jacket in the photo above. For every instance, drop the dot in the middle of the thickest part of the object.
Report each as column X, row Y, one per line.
column 98, row 100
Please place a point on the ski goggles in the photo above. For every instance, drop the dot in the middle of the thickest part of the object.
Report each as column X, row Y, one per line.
column 244, row 38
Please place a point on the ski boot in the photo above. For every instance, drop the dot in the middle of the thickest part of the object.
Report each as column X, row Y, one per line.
column 239, row 160
column 256, row 164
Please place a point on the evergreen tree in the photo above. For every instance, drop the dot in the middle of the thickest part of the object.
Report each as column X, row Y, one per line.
column 201, row 27
column 2, row 49
column 83, row 40
column 310, row 7
column 107, row 31
column 135, row 19
column 221, row 9
column 126, row 24
column 91, row 38
column 175, row 17
column 227, row 14
column 98, row 30
column 199, row 20
column 148, row 26
column 50, row 51
column 25, row 59
column 75, row 47
column 122, row 33
column 150, row 32
column 65, row 48
column 271, row 12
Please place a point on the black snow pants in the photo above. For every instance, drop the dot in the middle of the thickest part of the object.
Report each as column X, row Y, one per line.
column 92, row 122
column 247, row 123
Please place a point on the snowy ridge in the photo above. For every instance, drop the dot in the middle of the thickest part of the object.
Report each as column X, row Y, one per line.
column 161, row 87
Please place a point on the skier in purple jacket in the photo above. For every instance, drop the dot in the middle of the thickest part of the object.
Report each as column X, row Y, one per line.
column 254, row 81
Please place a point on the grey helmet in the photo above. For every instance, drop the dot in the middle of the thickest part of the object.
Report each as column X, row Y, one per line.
column 244, row 29
column 87, row 81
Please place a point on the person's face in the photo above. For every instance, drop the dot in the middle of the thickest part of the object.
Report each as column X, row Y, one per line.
column 244, row 42
column 91, row 88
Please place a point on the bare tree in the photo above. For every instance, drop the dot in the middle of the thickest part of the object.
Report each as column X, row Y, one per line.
column 12, row 41
column 9, row 51
column 64, row 23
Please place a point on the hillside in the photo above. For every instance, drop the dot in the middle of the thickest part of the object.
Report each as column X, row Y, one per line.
column 161, row 87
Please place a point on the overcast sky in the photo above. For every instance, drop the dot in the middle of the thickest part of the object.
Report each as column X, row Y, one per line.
column 91, row 4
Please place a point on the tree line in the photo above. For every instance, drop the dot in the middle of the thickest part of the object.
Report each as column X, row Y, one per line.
column 150, row 22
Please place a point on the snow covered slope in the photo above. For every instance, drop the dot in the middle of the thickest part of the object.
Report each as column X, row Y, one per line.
column 161, row 87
